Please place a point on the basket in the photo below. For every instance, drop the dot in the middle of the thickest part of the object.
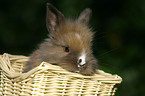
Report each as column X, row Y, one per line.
column 51, row 80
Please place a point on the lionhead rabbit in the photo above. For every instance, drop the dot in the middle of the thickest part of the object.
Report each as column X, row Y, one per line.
column 69, row 43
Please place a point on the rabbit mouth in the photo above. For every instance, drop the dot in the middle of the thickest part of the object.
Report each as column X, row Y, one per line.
column 81, row 67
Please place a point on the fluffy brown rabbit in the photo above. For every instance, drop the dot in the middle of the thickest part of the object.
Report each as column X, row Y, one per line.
column 69, row 43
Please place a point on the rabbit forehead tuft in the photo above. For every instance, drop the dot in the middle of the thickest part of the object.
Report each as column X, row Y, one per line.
column 75, row 29
column 73, row 26
column 76, row 35
column 76, row 42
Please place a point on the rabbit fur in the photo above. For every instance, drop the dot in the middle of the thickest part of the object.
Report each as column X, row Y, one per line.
column 69, row 43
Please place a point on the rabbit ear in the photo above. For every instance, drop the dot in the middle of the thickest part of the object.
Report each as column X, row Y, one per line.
column 85, row 16
column 53, row 17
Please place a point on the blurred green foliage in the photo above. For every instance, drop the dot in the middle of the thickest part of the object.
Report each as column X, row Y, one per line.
column 119, row 42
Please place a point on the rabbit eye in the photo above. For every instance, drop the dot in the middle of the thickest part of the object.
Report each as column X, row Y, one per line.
column 66, row 49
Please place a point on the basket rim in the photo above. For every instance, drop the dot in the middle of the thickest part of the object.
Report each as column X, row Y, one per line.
column 100, row 75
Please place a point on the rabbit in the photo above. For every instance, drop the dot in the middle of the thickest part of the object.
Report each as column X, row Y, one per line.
column 69, row 43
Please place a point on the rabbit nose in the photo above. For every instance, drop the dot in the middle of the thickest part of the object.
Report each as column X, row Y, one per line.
column 82, row 59
column 81, row 62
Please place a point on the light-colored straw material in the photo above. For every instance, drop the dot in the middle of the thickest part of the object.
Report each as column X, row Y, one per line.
column 51, row 80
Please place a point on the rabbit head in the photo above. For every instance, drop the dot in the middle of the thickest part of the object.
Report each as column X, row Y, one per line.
column 69, row 43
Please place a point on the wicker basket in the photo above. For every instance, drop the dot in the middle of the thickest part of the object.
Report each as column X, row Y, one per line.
column 51, row 80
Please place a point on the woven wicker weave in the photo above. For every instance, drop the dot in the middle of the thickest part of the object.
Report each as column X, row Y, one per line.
column 51, row 80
